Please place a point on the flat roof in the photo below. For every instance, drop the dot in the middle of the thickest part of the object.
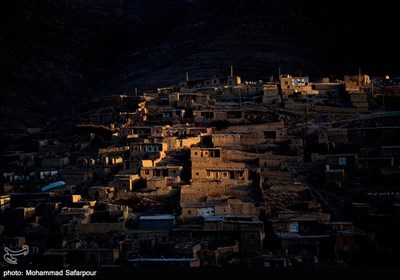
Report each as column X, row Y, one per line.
column 55, row 253
column 337, row 223
column 162, row 167
column 226, row 168
column 361, row 204
column 143, row 143
column 290, row 235
column 201, row 148
column 232, row 218
column 160, row 178
column 53, row 186
column 219, row 110
column 205, row 204
column 348, row 233
column 158, row 217
column 302, row 218
column 334, row 170
column 161, row 260
column 214, row 218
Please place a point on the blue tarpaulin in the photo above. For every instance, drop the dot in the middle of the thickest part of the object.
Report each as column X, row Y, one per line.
column 53, row 186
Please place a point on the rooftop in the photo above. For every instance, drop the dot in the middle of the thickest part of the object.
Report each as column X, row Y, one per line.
column 53, row 186
column 157, row 217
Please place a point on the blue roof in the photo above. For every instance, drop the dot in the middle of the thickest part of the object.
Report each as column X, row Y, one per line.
column 157, row 217
column 53, row 186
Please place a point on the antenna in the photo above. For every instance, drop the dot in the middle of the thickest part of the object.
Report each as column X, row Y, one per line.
column 231, row 70
column 187, row 76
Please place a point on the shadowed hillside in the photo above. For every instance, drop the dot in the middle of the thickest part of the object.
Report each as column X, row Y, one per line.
column 54, row 53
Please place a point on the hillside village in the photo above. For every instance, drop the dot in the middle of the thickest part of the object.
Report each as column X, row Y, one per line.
column 216, row 172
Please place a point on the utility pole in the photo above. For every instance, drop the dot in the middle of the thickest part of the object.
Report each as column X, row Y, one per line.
column 383, row 93
column 240, row 98
column 231, row 70
column 305, row 133
column 372, row 89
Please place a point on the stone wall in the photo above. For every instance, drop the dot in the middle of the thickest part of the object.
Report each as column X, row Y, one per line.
column 226, row 140
column 176, row 143
column 192, row 194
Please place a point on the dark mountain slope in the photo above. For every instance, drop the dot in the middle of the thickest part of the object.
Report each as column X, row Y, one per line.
column 50, row 53
column 53, row 53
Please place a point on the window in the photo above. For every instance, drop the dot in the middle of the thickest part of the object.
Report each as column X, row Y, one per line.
column 269, row 134
column 189, row 212
column 286, row 83
column 342, row 160
column 294, row 227
column 195, row 153
column 225, row 174
column 147, row 172
column 174, row 171
column 150, row 149
column 159, row 149
column 208, row 174
column 197, row 174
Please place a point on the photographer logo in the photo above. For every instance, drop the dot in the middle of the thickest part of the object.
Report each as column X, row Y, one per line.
column 10, row 255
